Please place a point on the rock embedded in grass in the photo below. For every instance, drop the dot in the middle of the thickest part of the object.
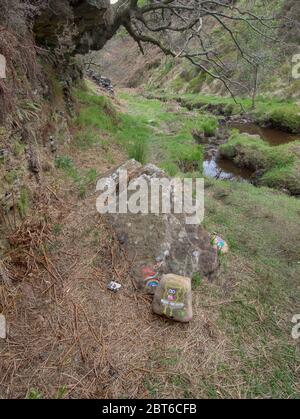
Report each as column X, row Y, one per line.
column 161, row 243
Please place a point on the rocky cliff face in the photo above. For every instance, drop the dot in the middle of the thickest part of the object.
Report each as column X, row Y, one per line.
column 38, row 40
column 74, row 21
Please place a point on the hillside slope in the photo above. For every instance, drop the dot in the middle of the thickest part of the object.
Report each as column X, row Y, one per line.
column 122, row 61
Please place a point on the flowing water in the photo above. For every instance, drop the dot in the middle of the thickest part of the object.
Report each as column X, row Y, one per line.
column 225, row 169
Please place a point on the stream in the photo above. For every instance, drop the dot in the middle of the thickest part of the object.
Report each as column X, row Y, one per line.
column 219, row 168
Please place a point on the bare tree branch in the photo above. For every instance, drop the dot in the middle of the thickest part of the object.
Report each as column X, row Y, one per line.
column 187, row 29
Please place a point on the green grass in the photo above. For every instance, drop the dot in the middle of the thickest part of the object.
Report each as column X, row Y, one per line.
column 196, row 281
column 96, row 119
column 195, row 85
column 95, row 111
column 259, row 279
column 187, row 156
column 166, row 134
column 277, row 113
column 279, row 166
column 207, row 124
column 34, row 394
column 133, row 135
column 138, row 151
column 80, row 179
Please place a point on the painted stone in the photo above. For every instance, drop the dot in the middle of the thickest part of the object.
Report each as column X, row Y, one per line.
column 220, row 244
column 173, row 298
column 150, row 279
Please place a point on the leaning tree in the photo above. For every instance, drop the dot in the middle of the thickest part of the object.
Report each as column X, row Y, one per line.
column 195, row 30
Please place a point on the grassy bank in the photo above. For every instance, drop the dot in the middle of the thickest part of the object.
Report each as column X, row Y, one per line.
column 276, row 113
column 170, row 142
column 256, row 294
column 278, row 167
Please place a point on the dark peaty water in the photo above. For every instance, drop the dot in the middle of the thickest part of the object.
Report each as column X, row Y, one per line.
column 271, row 136
column 226, row 169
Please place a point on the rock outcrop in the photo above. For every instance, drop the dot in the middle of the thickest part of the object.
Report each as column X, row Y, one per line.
column 103, row 82
column 85, row 24
column 160, row 244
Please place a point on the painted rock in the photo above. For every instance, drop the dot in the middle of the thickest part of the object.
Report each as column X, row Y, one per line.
column 149, row 279
column 220, row 244
column 173, row 298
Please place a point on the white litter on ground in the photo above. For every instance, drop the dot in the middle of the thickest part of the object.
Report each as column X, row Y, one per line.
column 2, row 327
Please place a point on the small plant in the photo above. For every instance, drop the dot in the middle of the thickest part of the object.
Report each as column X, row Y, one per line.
column 23, row 203
column 91, row 176
column 153, row 387
column 57, row 229
column 34, row 394
column 18, row 149
column 170, row 168
column 209, row 126
column 196, row 280
column 64, row 163
column 61, row 393
column 138, row 151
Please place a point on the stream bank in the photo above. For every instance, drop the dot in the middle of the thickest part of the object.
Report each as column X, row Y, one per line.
column 271, row 113
column 264, row 154
column 219, row 167
column 193, row 143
